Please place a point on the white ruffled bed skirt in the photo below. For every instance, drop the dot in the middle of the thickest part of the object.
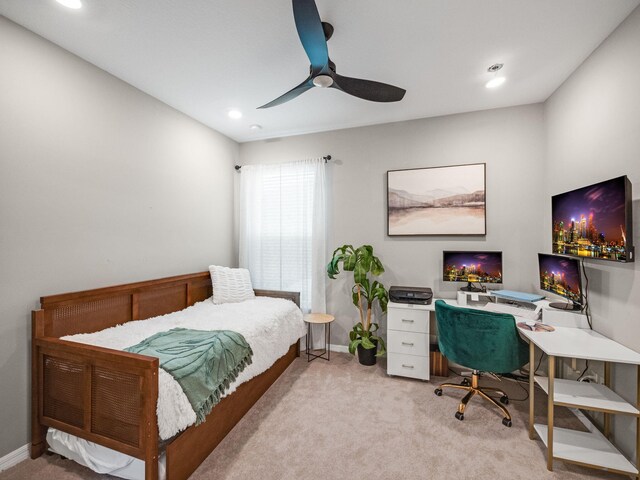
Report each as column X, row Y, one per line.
column 98, row 458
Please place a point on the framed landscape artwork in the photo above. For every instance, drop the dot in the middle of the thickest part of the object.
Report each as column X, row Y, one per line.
column 437, row 201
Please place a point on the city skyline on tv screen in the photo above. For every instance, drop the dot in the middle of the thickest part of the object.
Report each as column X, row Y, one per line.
column 474, row 267
column 592, row 221
column 561, row 276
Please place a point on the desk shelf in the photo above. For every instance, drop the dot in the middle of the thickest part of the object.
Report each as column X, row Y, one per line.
column 586, row 448
column 590, row 396
column 591, row 448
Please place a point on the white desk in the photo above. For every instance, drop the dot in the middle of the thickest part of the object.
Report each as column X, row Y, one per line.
column 581, row 343
column 432, row 306
column 584, row 448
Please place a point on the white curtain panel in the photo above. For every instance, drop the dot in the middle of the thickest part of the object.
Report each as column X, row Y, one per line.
column 283, row 228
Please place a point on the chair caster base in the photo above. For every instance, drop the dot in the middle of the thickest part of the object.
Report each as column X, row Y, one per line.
column 460, row 416
column 438, row 392
column 504, row 400
column 506, row 422
column 465, row 382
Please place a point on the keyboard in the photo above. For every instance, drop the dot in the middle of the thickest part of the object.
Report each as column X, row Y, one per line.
column 518, row 296
column 514, row 310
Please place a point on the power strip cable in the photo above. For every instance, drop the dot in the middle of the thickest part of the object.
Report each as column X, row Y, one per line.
column 586, row 309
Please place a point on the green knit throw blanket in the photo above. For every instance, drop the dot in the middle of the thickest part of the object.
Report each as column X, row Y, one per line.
column 204, row 363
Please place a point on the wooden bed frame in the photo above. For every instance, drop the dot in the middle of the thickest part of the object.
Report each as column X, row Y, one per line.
column 108, row 396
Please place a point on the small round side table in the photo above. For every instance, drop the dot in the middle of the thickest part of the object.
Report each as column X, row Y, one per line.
column 318, row 319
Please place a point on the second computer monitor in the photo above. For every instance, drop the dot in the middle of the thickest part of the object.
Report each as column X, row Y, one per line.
column 562, row 276
column 472, row 268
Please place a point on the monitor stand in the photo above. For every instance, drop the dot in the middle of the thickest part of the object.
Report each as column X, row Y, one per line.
column 471, row 288
column 566, row 306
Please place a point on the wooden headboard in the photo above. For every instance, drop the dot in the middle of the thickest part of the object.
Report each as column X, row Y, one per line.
column 93, row 310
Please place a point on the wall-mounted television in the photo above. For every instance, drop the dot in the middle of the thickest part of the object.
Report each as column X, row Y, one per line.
column 595, row 221
column 472, row 267
column 562, row 276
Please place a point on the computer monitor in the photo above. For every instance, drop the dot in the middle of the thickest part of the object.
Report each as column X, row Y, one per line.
column 562, row 276
column 595, row 221
column 472, row 267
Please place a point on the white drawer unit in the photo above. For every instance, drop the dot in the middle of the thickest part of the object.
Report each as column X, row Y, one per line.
column 408, row 340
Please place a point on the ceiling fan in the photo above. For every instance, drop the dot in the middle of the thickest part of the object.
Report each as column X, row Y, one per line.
column 314, row 34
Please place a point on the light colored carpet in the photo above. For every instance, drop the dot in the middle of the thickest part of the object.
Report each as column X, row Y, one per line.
column 341, row 420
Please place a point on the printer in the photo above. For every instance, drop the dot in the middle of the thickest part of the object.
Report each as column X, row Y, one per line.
column 414, row 295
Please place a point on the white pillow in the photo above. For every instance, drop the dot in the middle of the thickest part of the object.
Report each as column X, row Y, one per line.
column 230, row 285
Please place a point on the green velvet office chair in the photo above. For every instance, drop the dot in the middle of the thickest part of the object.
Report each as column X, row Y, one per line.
column 484, row 342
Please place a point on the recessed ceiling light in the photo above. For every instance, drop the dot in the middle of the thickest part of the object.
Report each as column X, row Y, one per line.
column 255, row 127
column 495, row 82
column 75, row 4
column 235, row 114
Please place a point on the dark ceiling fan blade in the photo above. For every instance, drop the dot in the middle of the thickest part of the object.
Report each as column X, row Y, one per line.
column 311, row 33
column 291, row 94
column 368, row 89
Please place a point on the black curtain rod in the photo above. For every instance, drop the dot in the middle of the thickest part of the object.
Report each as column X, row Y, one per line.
column 326, row 158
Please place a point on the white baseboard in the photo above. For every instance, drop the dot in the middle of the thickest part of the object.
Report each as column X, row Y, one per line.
column 339, row 348
column 13, row 458
column 319, row 344
column 332, row 347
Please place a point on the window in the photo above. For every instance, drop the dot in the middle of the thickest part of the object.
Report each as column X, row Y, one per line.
column 282, row 228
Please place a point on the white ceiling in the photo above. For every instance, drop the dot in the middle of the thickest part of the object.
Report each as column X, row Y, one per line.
column 204, row 57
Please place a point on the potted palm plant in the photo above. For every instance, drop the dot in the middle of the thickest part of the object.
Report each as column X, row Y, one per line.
column 362, row 262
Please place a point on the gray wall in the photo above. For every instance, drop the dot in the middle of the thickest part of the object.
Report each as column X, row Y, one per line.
column 593, row 130
column 511, row 142
column 100, row 184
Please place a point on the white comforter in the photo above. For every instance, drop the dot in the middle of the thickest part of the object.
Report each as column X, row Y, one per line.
column 270, row 326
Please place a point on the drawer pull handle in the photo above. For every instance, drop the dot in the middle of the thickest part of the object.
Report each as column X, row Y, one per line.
column 407, row 320
column 409, row 344
column 407, row 366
